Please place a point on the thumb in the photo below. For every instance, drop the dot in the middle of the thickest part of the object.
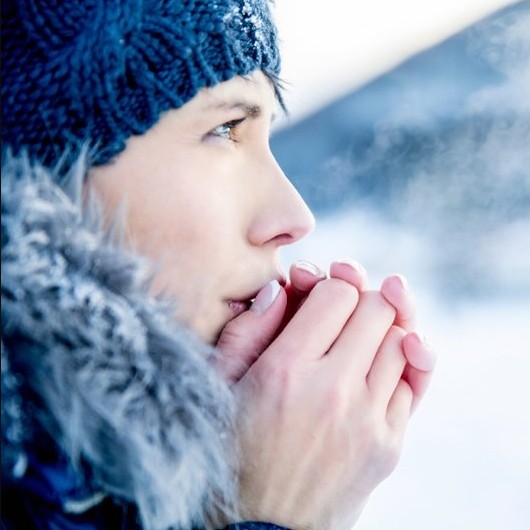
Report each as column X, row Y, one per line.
column 247, row 336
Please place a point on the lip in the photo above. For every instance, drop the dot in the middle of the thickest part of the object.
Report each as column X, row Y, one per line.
column 238, row 307
column 242, row 303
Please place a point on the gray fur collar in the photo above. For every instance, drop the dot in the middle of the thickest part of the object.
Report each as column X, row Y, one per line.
column 86, row 351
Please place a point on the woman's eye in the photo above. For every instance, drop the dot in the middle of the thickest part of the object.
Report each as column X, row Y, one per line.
column 227, row 130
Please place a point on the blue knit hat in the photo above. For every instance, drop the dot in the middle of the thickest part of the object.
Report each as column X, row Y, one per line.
column 98, row 71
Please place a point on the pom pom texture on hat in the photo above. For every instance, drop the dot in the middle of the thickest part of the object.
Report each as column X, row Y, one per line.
column 98, row 71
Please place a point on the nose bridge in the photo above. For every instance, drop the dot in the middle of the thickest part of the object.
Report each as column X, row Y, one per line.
column 284, row 216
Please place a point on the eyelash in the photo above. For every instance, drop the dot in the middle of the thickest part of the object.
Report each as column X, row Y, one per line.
column 231, row 134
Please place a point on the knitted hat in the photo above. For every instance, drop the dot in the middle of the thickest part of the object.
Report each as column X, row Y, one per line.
column 98, row 71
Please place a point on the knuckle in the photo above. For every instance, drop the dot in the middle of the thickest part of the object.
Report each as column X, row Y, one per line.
column 384, row 447
column 231, row 335
column 277, row 374
column 397, row 332
column 389, row 457
column 228, row 345
column 373, row 433
column 395, row 335
column 336, row 290
column 337, row 398
column 380, row 304
column 406, row 390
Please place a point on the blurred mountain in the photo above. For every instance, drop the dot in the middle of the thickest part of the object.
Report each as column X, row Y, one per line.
column 440, row 144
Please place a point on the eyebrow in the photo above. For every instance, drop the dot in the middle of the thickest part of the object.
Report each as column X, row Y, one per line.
column 251, row 110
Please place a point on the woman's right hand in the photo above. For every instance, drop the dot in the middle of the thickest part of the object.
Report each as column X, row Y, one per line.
column 323, row 410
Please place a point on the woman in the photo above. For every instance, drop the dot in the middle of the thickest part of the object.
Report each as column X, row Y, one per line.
column 158, row 371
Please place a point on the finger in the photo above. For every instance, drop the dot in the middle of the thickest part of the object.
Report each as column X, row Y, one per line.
column 303, row 276
column 245, row 337
column 399, row 408
column 357, row 345
column 418, row 353
column 319, row 321
column 419, row 383
column 387, row 368
column 421, row 362
column 350, row 271
column 395, row 289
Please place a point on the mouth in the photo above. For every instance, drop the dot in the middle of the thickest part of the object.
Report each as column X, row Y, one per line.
column 240, row 305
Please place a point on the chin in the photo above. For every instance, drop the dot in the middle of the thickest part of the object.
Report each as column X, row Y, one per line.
column 209, row 329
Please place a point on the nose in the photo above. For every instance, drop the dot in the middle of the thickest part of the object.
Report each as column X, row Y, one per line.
column 283, row 217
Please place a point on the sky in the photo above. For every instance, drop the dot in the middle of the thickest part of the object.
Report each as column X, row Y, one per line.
column 331, row 47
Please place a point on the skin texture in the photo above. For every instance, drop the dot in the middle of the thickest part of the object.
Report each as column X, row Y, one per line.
column 325, row 372
column 331, row 414
column 204, row 197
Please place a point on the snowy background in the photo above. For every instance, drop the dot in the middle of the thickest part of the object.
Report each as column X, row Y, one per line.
column 419, row 162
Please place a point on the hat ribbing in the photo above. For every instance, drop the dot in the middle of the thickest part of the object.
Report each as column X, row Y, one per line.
column 99, row 71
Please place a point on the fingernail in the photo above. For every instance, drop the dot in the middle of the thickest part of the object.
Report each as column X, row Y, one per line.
column 417, row 337
column 265, row 297
column 428, row 360
column 308, row 267
column 353, row 263
column 404, row 282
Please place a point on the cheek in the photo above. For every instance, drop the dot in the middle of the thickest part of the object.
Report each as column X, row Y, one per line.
column 194, row 273
column 168, row 213
column 187, row 269
column 193, row 247
column 193, row 231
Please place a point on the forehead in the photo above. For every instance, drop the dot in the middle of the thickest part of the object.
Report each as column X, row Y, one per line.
column 253, row 92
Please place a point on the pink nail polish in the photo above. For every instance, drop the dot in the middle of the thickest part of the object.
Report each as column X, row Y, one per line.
column 308, row 267
column 353, row 263
column 404, row 282
column 425, row 358
column 265, row 297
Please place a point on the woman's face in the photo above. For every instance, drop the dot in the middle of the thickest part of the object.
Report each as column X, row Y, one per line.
column 205, row 199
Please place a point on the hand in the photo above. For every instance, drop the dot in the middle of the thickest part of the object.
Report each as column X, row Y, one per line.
column 420, row 358
column 323, row 410
column 247, row 336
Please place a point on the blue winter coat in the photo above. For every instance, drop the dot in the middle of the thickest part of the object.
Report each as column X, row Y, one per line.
column 52, row 496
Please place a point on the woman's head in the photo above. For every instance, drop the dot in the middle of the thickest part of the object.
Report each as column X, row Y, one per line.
column 175, row 100
column 204, row 197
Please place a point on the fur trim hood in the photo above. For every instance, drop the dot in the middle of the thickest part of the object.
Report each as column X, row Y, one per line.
column 89, row 357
